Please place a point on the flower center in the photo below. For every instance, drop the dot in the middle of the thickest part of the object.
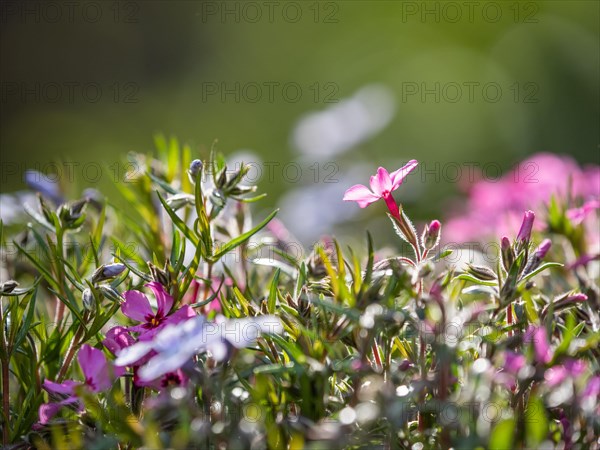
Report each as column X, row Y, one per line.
column 170, row 379
column 90, row 382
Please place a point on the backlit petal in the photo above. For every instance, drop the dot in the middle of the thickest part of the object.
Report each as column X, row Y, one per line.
column 163, row 300
column 381, row 182
column 136, row 306
column 360, row 194
column 398, row 175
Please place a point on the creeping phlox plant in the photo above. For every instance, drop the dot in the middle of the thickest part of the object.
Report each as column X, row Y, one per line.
column 151, row 318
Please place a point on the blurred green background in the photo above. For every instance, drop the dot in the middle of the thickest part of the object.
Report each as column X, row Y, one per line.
column 442, row 82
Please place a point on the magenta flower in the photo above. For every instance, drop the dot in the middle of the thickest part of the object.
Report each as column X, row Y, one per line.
column 541, row 346
column 571, row 367
column 525, row 231
column 117, row 338
column 382, row 185
column 137, row 307
column 514, row 362
column 576, row 215
column 176, row 378
column 98, row 377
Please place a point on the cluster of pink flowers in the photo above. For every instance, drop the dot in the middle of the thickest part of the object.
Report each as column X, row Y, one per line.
column 495, row 207
column 99, row 373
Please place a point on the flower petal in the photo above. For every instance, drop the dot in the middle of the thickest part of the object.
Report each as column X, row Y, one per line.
column 134, row 353
column 48, row 410
column 65, row 388
column 94, row 367
column 117, row 338
column 164, row 363
column 381, row 182
column 136, row 306
column 183, row 313
column 163, row 300
column 360, row 194
column 398, row 175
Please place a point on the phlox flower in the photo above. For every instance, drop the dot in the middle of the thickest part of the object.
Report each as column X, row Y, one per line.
column 137, row 307
column 576, row 215
column 382, row 185
column 98, row 377
column 118, row 338
column 175, row 345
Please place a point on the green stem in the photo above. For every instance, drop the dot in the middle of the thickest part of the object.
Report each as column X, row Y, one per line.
column 72, row 350
column 5, row 381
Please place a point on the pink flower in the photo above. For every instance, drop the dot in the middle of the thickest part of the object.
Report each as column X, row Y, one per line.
column 98, row 377
column 495, row 206
column 382, row 185
column 176, row 378
column 514, row 362
column 571, row 367
column 541, row 346
column 576, row 215
column 525, row 231
column 137, row 307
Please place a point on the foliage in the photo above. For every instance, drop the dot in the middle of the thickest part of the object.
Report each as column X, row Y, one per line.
column 408, row 351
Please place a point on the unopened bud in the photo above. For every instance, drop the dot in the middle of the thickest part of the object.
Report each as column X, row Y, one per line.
column 180, row 200
column 481, row 272
column 8, row 286
column 46, row 210
column 525, row 231
column 87, row 297
column 104, row 272
column 431, row 234
column 159, row 275
column 71, row 214
column 508, row 254
column 109, row 292
column 195, row 168
column 543, row 248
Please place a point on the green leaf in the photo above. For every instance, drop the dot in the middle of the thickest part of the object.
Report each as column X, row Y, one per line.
column 242, row 238
column 163, row 184
column 536, row 422
column 272, row 300
column 538, row 270
column 473, row 279
column 502, row 435
column 187, row 232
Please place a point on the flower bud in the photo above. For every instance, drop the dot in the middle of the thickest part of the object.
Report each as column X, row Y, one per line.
column 481, row 272
column 87, row 297
column 431, row 235
column 543, row 248
column 161, row 276
column 71, row 214
column 575, row 298
column 178, row 201
column 508, row 254
column 525, row 231
column 110, row 293
column 195, row 168
column 8, row 286
column 106, row 271
column 46, row 210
